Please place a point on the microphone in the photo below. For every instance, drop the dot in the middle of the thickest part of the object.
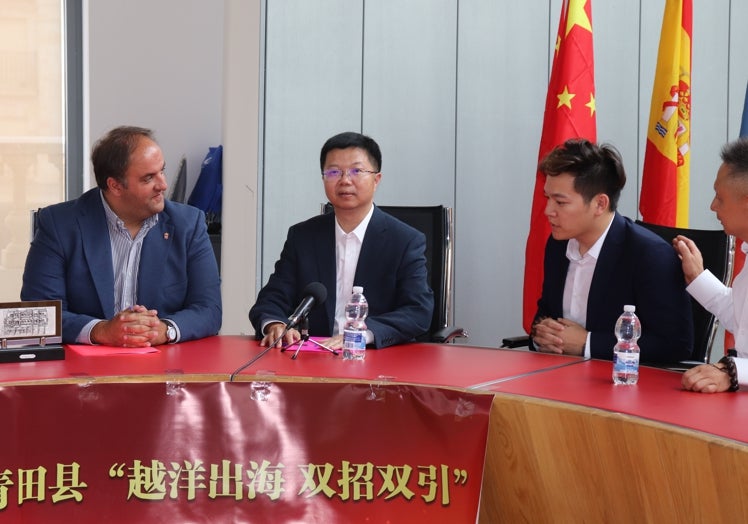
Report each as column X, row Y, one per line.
column 314, row 293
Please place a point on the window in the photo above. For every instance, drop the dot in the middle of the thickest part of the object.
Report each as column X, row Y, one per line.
column 32, row 125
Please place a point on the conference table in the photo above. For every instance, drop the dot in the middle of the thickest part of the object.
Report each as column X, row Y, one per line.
column 414, row 433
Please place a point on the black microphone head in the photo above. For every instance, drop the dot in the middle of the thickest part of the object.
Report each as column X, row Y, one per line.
column 317, row 291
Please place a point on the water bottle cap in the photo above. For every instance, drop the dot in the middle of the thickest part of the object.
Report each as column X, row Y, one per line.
column 358, row 289
column 629, row 308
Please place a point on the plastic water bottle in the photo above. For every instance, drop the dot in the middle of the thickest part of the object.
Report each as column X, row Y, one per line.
column 626, row 352
column 354, row 333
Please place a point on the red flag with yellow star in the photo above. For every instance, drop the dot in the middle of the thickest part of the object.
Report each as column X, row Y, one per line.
column 665, row 185
column 569, row 113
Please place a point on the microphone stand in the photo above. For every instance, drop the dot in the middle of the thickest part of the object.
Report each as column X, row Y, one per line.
column 304, row 330
column 259, row 355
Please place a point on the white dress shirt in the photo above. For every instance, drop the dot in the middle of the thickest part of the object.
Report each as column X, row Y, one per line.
column 578, row 281
column 728, row 305
column 347, row 251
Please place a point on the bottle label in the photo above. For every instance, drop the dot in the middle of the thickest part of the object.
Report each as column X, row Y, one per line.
column 625, row 362
column 354, row 339
column 354, row 344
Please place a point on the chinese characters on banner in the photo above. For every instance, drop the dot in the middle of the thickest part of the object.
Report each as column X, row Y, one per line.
column 198, row 452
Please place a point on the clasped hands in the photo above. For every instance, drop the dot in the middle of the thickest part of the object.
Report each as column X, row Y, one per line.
column 559, row 336
column 706, row 378
column 137, row 326
column 274, row 330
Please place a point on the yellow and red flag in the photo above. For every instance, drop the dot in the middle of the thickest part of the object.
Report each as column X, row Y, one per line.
column 569, row 113
column 665, row 184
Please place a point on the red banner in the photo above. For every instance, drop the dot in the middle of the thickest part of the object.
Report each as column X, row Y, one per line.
column 242, row 451
column 569, row 113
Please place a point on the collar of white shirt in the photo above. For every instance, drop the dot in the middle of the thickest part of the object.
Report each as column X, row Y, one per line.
column 572, row 248
column 360, row 229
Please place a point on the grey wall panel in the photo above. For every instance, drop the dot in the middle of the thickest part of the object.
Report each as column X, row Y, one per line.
column 709, row 107
column 503, row 77
column 312, row 91
column 409, row 97
column 155, row 72
column 738, row 66
column 616, row 39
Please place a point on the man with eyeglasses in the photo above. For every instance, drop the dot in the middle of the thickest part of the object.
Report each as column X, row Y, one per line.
column 357, row 245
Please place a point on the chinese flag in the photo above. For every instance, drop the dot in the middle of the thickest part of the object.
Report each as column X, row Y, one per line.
column 664, row 193
column 569, row 113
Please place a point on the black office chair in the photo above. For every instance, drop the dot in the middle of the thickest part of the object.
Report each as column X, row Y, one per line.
column 717, row 250
column 34, row 222
column 435, row 222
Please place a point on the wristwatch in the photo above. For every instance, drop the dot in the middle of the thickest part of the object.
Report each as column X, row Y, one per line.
column 171, row 332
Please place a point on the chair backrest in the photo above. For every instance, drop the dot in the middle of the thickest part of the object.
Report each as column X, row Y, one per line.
column 435, row 222
column 717, row 250
column 34, row 221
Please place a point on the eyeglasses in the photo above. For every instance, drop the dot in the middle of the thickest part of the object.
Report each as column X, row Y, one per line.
column 353, row 173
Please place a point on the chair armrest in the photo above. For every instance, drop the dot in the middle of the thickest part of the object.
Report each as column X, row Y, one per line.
column 515, row 342
column 447, row 334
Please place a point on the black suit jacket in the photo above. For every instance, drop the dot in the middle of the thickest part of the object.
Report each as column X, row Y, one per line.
column 636, row 267
column 391, row 268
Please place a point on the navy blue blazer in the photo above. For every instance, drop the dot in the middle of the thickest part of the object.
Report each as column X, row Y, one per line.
column 70, row 259
column 391, row 268
column 636, row 267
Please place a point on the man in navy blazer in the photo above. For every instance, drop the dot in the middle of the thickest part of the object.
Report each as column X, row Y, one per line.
column 597, row 261
column 357, row 245
column 130, row 267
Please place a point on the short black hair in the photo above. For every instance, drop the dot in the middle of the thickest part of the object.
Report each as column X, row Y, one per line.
column 352, row 139
column 735, row 155
column 596, row 168
column 111, row 154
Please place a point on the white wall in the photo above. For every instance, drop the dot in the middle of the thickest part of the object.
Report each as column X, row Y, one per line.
column 157, row 64
column 240, row 162
column 162, row 65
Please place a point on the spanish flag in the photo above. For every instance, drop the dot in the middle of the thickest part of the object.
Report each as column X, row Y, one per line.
column 569, row 113
column 664, row 193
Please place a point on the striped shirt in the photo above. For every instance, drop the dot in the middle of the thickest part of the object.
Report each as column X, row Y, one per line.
column 125, row 257
column 125, row 263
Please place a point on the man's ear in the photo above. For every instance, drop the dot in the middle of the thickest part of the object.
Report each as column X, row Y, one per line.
column 602, row 203
column 113, row 186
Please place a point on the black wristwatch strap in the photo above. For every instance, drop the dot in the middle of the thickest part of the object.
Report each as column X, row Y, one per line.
column 731, row 370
